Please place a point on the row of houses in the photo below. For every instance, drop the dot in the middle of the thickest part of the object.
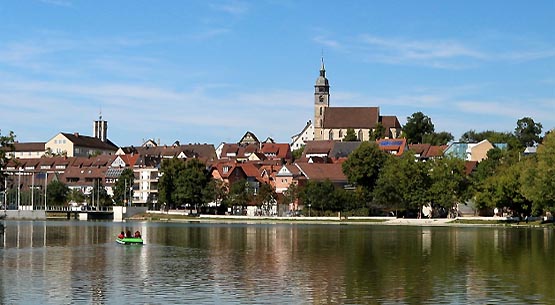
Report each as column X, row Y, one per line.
column 249, row 159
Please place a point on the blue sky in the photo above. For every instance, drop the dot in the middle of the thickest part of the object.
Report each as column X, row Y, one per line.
column 208, row 71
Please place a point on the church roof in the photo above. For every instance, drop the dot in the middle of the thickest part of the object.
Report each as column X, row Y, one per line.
column 390, row 121
column 351, row 117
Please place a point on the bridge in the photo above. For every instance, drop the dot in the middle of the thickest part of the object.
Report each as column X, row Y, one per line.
column 82, row 212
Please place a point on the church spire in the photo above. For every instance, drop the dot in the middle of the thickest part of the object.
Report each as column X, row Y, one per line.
column 323, row 68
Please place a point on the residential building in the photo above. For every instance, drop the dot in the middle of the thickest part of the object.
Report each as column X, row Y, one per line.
column 28, row 150
column 307, row 134
column 77, row 145
column 469, row 151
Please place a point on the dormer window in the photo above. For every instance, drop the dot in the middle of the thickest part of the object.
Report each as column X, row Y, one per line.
column 225, row 169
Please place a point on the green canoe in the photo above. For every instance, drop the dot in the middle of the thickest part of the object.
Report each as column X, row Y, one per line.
column 129, row 241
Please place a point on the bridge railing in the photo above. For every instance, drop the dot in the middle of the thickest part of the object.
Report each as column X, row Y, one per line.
column 79, row 209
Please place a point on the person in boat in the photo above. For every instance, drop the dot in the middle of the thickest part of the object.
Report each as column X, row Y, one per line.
column 128, row 234
column 137, row 234
column 121, row 235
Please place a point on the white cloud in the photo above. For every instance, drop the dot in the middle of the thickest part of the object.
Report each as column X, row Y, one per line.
column 231, row 7
column 57, row 2
column 135, row 110
column 441, row 54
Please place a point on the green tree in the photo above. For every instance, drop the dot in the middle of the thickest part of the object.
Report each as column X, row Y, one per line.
column 191, row 183
column 56, row 193
column 167, row 185
column 216, row 191
column 240, row 194
column 528, row 132
column 265, row 198
column 123, row 188
column 350, row 136
column 298, row 153
column 319, row 196
column 99, row 196
column 363, row 166
column 537, row 182
column 418, row 125
column 403, row 183
column 440, row 138
column 449, row 183
column 377, row 133
column 6, row 146
column 291, row 194
column 75, row 195
column 502, row 190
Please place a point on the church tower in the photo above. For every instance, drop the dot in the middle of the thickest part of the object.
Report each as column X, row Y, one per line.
column 321, row 101
column 100, row 129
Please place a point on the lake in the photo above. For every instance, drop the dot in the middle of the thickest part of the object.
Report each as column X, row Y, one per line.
column 79, row 262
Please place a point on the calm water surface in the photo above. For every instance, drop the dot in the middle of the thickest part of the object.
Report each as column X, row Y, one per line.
column 79, row 263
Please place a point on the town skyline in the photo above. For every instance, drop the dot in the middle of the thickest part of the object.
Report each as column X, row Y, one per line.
column 207, row 72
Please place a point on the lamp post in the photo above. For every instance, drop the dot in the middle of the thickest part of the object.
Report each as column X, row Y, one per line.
column 309, row 205
column 45, row 185
column 19, row 190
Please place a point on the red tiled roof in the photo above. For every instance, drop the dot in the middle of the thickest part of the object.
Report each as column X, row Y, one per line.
column 318, row 147
column 421, row 149
column 351, row 117
column 29, row 146
column 470, row 166
column 393, row 145
column 318, row 171
column 91, row 142
column 390, row 121
column 436, row 151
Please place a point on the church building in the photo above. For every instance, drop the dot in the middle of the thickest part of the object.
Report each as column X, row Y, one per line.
column 332, row 123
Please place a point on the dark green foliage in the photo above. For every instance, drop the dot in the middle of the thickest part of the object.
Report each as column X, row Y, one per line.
column 75, row 195
column 418, row 125
column 440, row 138
column 350, row 136
column 403, row 183
column 123, row 188
column 449, row 183
column 184, row 183
column 528, row 132
column 321, row 196
column 297, row 153
column 537, row 181
column 99, row 196
column 170, row 169
column 6, row 146
column 56, row 193
column 377, row 133
column 240, row 194
column 291, row 194
column 364, row 164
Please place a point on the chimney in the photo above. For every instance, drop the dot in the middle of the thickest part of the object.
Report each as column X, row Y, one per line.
column 76, row 134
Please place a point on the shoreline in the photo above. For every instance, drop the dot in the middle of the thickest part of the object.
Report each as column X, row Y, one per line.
column 382, row 221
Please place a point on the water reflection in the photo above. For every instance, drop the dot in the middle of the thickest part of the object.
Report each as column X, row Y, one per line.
column 79, row 262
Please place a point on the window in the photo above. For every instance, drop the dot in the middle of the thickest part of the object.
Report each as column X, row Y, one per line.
column 360, row 135
column 320, row 110
column 331, row 135
column 340, row 133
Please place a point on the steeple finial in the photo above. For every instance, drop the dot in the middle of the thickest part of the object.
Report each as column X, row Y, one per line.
column 322, row 68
